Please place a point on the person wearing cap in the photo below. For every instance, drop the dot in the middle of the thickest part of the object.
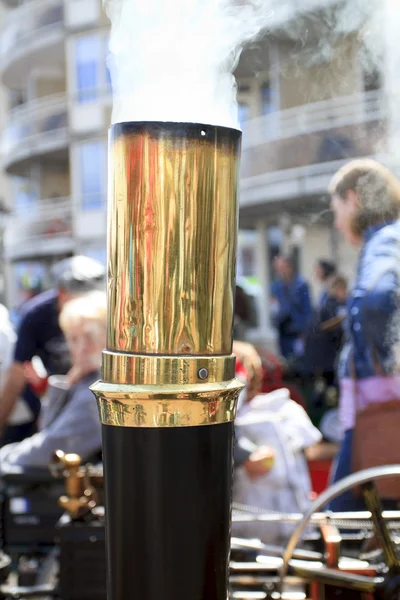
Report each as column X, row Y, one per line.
column 39, row 335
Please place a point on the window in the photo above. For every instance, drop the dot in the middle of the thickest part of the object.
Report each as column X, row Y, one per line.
column 243, row 111
column 92, row 158
column 271, row 121
column 372, row 73
column 29, row 279
column 108, row 61
column 372, row 80
column 275, row 242
column 266, row 98
column 88, row 58
column 26, row 196
column 30, row 275
column 246, row 255
column 248, row 261
column 92, row 73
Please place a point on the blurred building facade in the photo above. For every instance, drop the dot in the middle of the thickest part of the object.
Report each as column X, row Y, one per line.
column 302, row 118
column 322, row 97
column 57, row 110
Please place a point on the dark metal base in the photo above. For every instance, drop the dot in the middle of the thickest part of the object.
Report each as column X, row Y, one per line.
column 81, row 559
column 168, row 495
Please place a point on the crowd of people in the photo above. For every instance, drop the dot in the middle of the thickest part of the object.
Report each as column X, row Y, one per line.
column 309, row 337
column 348, row 342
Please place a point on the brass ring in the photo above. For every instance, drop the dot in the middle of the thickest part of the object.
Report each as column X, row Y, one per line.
column 142, row 369
column 167, row 406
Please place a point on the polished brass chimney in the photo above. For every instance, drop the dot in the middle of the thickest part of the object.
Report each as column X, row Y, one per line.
column 168, row 392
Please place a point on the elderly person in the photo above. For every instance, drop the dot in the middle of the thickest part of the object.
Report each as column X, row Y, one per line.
column 39, row 335
column 69, row 418
column 366, row 204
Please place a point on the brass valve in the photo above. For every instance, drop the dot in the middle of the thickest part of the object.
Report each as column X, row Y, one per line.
column 80, row 497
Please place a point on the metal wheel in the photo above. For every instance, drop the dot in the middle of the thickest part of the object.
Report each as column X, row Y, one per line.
column 388, row 584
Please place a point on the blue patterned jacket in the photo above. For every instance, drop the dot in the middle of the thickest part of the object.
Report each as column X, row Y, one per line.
column 373, row 324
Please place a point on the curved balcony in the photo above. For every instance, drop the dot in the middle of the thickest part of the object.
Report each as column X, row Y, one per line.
column 28, row 34
column 38, row 128
column 43, row 230
column 293, row 153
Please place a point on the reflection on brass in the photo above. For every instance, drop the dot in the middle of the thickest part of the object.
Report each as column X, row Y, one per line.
column 166, row 370
column 332, row 542
column 80, row 497
column 172, row 236
column 172, row 239
column 167, row 406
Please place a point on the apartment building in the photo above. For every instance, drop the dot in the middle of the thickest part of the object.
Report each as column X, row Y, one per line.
column 303, row 113
column 53, row 64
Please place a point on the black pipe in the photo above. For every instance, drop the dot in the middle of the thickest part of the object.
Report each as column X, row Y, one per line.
column 168, row 493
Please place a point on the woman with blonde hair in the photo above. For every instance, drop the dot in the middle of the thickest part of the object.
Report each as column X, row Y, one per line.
column 69, row 419
column 366, row 204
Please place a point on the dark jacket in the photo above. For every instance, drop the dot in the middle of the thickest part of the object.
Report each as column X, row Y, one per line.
column 294, row 310
column 324, row 337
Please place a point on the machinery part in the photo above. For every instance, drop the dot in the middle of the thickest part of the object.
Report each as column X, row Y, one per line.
column 267, row 549
column 49, row 569
column 346, row 520
column 381, row 531
column 13, row 592
column 338, row 578
column 81, row 497
column 82, row 559
column 332, row 541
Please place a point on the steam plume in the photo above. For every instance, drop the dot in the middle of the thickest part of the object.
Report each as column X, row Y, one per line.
column 172, row 60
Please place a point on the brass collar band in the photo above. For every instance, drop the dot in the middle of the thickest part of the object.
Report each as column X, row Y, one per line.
column 166, row 391
column 184, row 405
column 144, row 369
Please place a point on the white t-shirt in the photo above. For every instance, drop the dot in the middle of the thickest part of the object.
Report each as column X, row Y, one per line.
column 21, row 412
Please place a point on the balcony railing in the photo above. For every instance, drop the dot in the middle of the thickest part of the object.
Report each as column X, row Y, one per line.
column 285, row 12
column 37, row 127
column 310, row 118
column 42, row 228
column 313, row 134
column 288, row 184
column 26, row 25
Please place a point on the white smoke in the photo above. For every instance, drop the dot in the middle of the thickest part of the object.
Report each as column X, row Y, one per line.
column 172, row 60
